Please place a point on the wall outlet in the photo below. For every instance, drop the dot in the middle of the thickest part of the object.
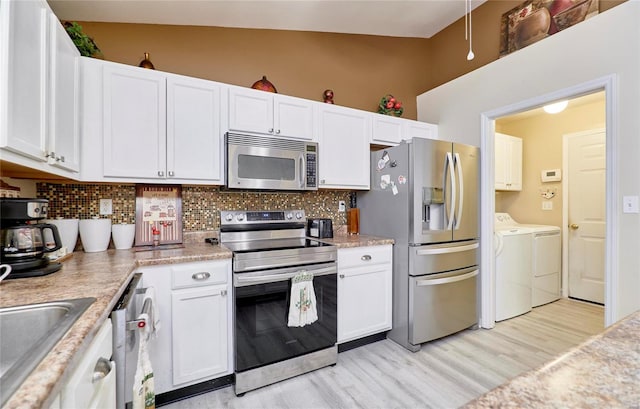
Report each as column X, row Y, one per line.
column 547, row 205
column 106, row 206
column 342, row 207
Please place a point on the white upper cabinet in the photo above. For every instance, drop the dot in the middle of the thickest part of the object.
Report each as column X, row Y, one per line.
column 271, row 114
column 37, row 89
column 343, row 147
column 194, row 140
column 134, row 126
column 140, row 125
column 64, row 137
column 387, row 130
column 417, row 129
column 508, row 162
column 391, row 130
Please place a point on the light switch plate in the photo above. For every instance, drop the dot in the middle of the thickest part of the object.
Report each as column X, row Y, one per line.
column 630, row 204
column 547, row 205
column 106, row 206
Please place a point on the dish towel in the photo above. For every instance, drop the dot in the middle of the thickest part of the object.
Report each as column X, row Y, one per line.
column 154, row 320
column 144, row 396
column 302, row 308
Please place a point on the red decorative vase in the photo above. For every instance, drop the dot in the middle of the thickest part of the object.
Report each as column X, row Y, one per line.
column 264, row 85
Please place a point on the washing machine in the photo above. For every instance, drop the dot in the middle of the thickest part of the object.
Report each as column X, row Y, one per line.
column 513, row 246
column 546, row 259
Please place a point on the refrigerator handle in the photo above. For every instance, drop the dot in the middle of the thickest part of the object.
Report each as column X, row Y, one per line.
column 458, row 166
column 448, row 163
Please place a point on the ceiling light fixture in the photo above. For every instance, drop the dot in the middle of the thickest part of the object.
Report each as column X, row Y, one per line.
column 555, row 107
column 467, row 28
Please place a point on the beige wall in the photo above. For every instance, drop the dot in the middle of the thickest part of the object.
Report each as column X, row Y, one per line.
column 359, row 69
column 542, row 149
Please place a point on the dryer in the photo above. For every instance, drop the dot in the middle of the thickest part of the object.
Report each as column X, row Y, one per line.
column 546, row 258
column 513, row 246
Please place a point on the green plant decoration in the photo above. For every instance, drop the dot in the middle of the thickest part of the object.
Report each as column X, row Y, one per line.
column 83, row 42
column 390, row 106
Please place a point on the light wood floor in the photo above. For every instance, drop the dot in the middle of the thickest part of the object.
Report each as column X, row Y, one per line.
column 446, row 373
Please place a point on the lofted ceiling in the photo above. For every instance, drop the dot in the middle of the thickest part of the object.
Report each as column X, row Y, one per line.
column 396, row 18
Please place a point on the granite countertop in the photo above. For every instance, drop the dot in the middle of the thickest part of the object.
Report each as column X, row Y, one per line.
column 102, row 275
column 356, row 240
column 603, row 372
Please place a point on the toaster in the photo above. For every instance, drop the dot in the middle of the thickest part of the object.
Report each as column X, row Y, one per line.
column 320, row 228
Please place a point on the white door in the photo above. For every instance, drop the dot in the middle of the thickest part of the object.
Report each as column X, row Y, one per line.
column 23, row 34
column 64, row 137
column 587, row 223
column 343, row 140
column 194, row 139
column 134, row 125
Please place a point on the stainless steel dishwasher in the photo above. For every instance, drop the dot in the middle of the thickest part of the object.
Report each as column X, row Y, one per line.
column 126, row 336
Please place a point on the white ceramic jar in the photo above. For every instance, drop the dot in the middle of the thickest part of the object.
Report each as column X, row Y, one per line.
column 95, row 234
column 68, row 230
column 123, row 235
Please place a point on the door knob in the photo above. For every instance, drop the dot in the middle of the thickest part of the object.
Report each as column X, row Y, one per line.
column 573, row 226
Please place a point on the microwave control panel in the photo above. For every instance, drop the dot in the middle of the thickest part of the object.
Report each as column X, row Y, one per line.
column 312, row 165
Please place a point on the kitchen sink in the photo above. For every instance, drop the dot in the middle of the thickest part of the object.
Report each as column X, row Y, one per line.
column 28, row 333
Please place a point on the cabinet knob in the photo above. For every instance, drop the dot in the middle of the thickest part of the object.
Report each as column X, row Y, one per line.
column 101, row 370
column 51, row 155
column 366, row 257
column 278, row 132
column 160, row 173
column 322, row 182
column 270, row 130
column 341, row 275
column 171, row 174
column 201, row 276
column 60, row 159
column 223, row 293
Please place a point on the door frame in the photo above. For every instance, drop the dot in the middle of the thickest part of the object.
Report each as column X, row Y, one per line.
column 487, row 197
column 565, row 202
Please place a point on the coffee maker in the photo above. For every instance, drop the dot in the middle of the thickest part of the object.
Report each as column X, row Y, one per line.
column 22, row 243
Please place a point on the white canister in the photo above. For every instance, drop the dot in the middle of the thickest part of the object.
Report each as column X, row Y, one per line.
column 95, row 234
column 123, row 235
column 68, row 230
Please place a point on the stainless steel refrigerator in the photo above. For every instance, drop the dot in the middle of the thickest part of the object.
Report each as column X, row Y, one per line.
column 424, row 194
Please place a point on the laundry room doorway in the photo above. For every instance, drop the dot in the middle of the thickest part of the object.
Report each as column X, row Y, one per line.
column 585, row 214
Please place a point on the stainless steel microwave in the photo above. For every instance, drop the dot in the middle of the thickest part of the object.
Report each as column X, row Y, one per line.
column 263, row 162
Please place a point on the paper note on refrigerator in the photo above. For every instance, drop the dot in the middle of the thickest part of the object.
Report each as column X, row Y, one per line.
column 385, row 180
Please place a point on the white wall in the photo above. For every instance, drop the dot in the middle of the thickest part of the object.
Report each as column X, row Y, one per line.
column 607, row 44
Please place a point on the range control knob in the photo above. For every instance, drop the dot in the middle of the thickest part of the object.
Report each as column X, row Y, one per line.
column 298, row 215
column 289, row 216
column 240, row 217
column 229, row 217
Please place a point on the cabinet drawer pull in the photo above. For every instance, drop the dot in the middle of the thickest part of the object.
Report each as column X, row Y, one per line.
column 171, row 174
column 201, row 276
column 341, row 275
column 101, row 370
column 366, row 257
column 223, row 293
column 160, row 173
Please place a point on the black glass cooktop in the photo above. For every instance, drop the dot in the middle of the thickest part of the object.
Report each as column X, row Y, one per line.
column 274, row 244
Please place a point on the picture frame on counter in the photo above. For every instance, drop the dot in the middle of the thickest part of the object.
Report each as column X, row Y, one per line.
column 158, row 215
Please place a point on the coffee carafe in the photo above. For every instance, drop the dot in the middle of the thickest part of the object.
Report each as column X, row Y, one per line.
column 22, row 243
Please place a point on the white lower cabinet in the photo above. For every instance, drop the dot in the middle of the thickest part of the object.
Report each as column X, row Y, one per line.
column 194, row 341
column 364, row 291
column 93, row 383
column 192, row 356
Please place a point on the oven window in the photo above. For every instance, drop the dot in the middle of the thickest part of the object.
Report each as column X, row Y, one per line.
column 266, row 167
column 262, row 334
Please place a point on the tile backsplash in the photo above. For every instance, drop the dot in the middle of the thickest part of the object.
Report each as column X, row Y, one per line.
column 201, row 205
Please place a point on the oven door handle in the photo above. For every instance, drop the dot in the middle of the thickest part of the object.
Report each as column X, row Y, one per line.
column 243, row 280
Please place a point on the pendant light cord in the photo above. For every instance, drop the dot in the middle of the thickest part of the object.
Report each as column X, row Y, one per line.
column 468, row 29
